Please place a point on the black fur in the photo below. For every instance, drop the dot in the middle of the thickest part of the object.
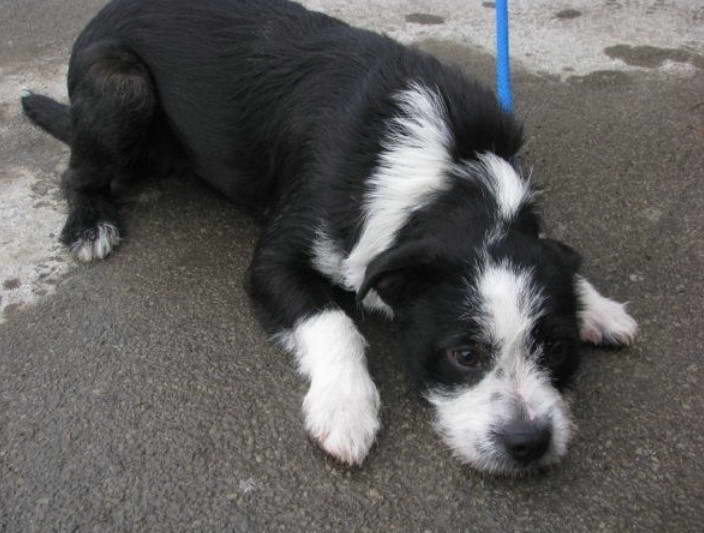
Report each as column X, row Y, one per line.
column 50, row 115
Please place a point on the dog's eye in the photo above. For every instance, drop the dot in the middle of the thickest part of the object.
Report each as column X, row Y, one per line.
column 463, row 357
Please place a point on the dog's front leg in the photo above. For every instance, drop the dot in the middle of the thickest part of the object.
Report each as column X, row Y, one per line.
column 341, row 408
column 603, row 321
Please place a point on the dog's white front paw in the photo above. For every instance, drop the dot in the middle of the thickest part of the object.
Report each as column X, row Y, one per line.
column 96, row 243
column 343, row 417
column 603, row 320
column 609, row 324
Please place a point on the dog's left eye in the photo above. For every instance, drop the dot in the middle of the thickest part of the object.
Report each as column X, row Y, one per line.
column 463, row 357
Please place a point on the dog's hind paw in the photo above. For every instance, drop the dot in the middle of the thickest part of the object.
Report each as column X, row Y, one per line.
column 343, row 420
column 603, row 320
column 95, row 243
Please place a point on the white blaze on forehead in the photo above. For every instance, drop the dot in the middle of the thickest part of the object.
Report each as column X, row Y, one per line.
column 509, row 302
column 412, row 170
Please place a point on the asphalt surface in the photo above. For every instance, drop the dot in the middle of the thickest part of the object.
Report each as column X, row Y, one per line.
column 140, row 394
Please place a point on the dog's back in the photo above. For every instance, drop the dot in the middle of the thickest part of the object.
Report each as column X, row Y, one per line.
column 244, row 85
column 256, row 91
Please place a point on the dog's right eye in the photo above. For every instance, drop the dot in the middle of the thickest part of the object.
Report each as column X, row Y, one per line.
column 463, row 357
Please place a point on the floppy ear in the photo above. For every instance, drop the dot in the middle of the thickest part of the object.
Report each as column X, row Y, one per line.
column 401, row 272
column 569, row 256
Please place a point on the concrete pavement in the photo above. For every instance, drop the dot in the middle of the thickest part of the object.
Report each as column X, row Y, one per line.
column 139, row 394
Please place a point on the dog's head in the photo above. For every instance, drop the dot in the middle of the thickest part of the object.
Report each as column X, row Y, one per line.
column 493, row 335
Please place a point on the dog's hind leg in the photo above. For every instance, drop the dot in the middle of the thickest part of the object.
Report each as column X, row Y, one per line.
column 112, row 106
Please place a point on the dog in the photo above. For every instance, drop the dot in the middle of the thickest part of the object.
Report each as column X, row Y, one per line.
column 378, row 170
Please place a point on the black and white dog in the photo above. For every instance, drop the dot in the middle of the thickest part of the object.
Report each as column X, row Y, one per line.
column 380, row 171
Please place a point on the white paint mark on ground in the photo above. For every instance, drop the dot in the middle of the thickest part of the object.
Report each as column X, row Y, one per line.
column 32, row 258
column 247, row 485
column 31, row 213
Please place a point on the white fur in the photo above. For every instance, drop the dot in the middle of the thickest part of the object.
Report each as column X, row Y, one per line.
column 106, row 238
column 603, row 320
column 506, row 305
column 510, row 190
column 507, row 187
column 412, row 170
column 373, row 302
column 508, row 302
column 328, row 259
column 467, row 417
column 341, row 408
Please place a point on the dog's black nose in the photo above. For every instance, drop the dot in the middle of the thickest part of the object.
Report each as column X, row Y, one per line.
column 525, row 442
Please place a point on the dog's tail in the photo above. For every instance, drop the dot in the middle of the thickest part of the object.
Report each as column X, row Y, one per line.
column 48, row 114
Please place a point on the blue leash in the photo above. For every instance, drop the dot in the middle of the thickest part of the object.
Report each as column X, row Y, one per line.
column 503, row 65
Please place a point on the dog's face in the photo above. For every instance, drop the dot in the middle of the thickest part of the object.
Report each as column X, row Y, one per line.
column 494, row 340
